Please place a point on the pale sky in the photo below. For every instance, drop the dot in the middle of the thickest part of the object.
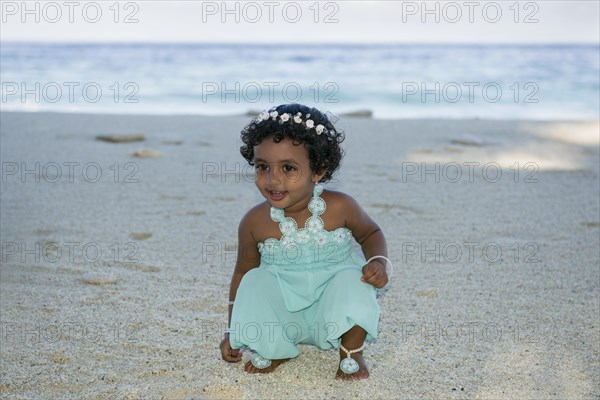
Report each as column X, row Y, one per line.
column 302, row 21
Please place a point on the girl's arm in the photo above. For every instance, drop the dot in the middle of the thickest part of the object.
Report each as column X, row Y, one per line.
column 248, row 258
column 371, row 239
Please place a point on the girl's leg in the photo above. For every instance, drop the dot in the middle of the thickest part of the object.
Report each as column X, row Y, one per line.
column 351, row 340
column 348, row 312
column 259, row 320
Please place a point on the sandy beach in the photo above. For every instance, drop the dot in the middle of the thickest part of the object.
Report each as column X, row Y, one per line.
column 115, row 268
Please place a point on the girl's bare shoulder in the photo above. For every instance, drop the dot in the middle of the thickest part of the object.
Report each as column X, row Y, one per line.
column 336, row 199
column 256, row 214
column 340, row 205
column 257, row 223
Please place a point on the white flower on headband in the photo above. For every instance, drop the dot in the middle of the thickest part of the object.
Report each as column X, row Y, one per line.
column 285, row 117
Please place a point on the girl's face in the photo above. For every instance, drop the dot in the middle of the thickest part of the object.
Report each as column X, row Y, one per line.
column 283, row 174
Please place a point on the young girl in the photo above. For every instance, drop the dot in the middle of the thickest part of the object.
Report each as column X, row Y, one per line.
column 296, row 279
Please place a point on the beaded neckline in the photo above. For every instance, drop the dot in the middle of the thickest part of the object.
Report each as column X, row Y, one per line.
column 313, row 224
column 313, row 230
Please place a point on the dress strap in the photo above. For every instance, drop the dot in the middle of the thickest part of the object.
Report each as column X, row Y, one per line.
column 277, row 214
column 317, row 190
column 317, row 205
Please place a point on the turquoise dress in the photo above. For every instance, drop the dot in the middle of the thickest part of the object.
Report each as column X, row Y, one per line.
column 307, row 289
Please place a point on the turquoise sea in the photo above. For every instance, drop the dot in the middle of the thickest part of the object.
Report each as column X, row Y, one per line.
column 394, row 81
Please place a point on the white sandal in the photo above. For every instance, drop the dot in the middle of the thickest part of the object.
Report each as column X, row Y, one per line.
column 349, row 365
column 260, row 362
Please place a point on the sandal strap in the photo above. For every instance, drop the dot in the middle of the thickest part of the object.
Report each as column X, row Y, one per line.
column 260, row 362
column 348, row 352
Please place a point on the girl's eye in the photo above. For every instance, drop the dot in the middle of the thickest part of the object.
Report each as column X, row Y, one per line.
column 261, row 167
column 289, row 168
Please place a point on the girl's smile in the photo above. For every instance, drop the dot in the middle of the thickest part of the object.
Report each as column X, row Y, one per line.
column 277, row 196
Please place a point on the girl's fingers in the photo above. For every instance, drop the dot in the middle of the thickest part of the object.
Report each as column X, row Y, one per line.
column 231, row 357
column 368, row 272
column 378, row 278
column 228, row 354
column 373, row 274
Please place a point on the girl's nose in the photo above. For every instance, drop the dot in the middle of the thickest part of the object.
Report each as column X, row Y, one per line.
column 273, row 176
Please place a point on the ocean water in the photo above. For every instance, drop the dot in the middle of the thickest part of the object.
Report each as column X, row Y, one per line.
column 393, row 81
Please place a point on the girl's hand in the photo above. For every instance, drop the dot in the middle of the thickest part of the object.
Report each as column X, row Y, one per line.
column 374, row 274
column 229, row 354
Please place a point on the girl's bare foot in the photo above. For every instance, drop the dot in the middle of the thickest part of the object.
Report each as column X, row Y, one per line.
column 274, row 364
column 363, row 370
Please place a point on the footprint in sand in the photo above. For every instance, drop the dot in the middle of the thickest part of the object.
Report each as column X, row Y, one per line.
column 140, row 235
column 468, row 140
column 424, row 150
column 450, row 149
column 140, row 267
column 98, row 278
column 429, row 293
column 122, row 138
column 591, row 224
column 59, row 358
column 147, row 153
column 196, row 213
column 42, row 231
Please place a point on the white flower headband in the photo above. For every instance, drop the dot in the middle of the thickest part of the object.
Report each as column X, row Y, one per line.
column 297, row 119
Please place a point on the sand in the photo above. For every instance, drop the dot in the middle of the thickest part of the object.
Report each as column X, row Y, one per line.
column 115, row 269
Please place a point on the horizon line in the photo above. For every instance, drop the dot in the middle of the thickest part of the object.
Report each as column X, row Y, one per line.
column 258, row 43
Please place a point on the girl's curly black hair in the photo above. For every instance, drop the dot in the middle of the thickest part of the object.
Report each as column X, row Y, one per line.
column 324, row 151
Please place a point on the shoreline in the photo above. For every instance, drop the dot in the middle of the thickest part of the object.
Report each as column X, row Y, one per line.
column 249, row 114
